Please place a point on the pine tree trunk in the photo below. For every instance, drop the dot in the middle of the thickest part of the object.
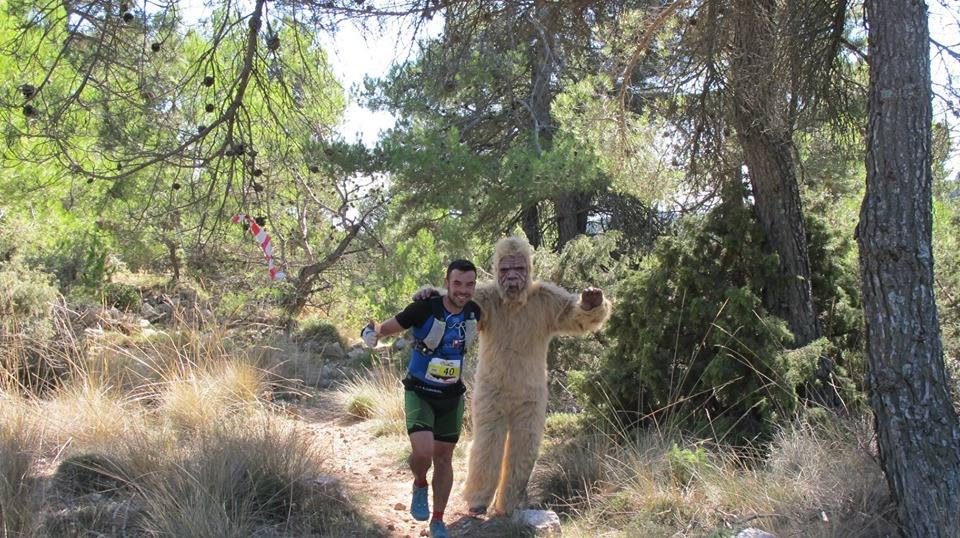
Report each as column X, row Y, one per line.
column 917, row 429
column 571, row 210
column 530, row 222
column 760, row 119
column 570, row 207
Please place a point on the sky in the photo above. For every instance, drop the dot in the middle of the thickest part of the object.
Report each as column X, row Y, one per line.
column 354, row 54
column 945, row 29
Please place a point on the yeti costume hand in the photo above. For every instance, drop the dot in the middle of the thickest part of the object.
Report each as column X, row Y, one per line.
column 520, row 317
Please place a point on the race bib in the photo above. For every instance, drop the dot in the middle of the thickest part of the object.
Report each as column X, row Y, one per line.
column 443, row 371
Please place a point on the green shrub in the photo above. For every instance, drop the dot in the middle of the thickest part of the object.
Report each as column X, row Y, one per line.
column 585, row 261
column 320, row 332
column 81, row 258
column 564, row 425
column 841, row 365
column 122, row 296
column 231, row 302
column 26, row 296
column 693, row 340
column 685, row 463
column 695, row 344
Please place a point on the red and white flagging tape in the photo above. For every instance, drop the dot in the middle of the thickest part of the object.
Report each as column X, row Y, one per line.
column 264, row 241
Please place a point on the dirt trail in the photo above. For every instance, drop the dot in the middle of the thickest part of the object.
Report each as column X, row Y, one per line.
column 374, row 473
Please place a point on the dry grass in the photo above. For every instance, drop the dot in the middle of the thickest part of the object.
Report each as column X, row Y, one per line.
column 87, row 416
column 172, row 434
column 237, row 479
column 211, row 394
column 818, row 480
column 19, row 495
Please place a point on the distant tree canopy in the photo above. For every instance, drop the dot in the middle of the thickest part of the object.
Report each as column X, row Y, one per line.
column 479, row 117
column 169, row 126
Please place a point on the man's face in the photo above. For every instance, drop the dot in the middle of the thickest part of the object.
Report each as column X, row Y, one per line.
column 460, row 286
column 512, row 273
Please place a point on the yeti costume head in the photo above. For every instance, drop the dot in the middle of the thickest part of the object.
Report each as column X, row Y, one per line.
column 513, row 268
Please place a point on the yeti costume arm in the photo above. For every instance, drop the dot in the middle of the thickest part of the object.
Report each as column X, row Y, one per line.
column 570, row 317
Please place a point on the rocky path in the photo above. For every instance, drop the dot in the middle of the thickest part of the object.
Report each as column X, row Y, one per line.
column 374, row 473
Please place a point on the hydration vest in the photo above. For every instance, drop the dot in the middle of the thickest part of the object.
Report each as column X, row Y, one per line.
column 436, row 365
column 428, row 343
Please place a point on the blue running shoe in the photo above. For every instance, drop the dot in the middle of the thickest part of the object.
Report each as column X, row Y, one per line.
column 420, row 505
column 438, row 529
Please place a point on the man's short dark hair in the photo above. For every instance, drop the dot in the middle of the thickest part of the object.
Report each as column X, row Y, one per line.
column 461, row 265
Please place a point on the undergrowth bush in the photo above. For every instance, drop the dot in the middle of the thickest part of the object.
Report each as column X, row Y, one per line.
column 26, row 298
column 695, row 345
column 320, row 332
column 122, row 296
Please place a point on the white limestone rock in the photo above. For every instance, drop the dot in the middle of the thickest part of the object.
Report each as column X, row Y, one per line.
column 545, row 522
column 751, row 532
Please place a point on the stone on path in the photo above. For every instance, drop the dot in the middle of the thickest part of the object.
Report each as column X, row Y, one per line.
column 751, row 532
column 545, row 522
column 330, row 485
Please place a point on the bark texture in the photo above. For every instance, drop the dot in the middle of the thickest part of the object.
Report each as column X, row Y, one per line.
column 530, row 222
column 760, row 116
column 571, row 209
column 917, row 428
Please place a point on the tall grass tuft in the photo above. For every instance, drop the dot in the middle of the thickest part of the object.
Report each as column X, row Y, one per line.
column 207, row 395
column 19, row 494
column 376, row 394
column 236, row 479
column 87, row 415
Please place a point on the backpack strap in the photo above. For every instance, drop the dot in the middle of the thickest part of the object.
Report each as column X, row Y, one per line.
column 471, row 315
column 432, row 340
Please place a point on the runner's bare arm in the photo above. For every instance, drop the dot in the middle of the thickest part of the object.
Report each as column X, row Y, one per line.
column 389, row 328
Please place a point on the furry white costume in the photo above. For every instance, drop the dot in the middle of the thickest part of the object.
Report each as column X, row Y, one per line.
column 509, row 401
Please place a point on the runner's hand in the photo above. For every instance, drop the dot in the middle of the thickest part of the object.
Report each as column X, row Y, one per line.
column 369, row 335
column 426, row 293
